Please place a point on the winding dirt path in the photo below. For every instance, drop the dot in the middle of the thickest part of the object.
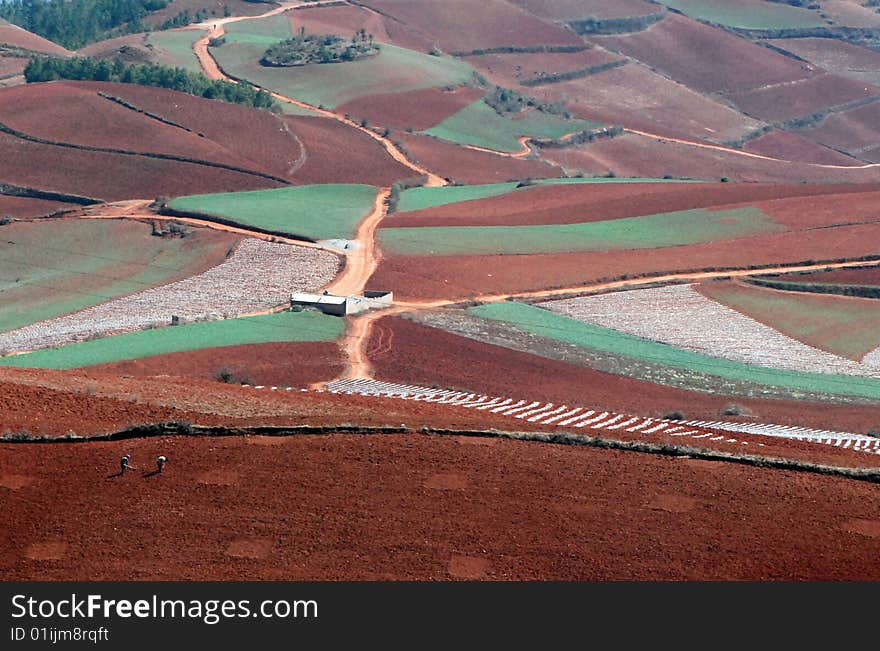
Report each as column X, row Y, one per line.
column 362, row 261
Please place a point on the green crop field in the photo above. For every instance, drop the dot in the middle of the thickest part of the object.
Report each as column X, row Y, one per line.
column 748, row 14
column 481, row 126
column 271, row 328
column 394, row 69
column 653, row 231
column 317, row 212
column 176, row 48
column 849, row 327
column 422, row 198
column 61, row 266
column 264, row 30
column 547, row 324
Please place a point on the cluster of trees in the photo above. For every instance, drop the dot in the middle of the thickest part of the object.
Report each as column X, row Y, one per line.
column 314, row 48
column 507, row 101
column 74, row 23
column 85, row 68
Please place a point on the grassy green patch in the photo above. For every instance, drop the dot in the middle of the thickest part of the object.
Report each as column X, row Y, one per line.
column 547, row 324
column 176, row 48
column 480, row 125
column 271, row 328
column 61, row 266
column 748, row 14
column 394, row 69
column 263, row 30
column 421, row 198
column 317, row 212
column 653, row 231
column 844, row 326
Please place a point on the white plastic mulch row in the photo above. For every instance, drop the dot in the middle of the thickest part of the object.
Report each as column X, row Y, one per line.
column 680, row 316
column 257, row 276
column 548, row 413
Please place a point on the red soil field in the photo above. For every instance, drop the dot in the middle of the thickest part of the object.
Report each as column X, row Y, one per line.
column 510, row 69
column 254, row 135
column 135, row 45
column 296, row 365
column 347, row 19
column 864, row 276
column 17, row 37
column 61, row 112
column 416, row 110
column 459, row 25
column 464, row 277
column 445, row 508
column 836, row 56
column 213, row 8
column 636, row 97
column 338, row 153
column 23, row 207
column 113, row 176
column 706, row 58
column 427, row 356
column 853, row 131
column 636, row 155
column 468, row 165
column 12, row 66
column 794, row 147
column 577, row 9
column 851, row 13
column 788, row 101
column 572, row 204
column 821, row 211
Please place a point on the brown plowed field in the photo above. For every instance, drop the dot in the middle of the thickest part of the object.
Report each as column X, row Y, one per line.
column 427, row 277
column 459, row 25
column 265, row 139
column 18, row 37
column 345, row 20
column 338, row 153
column 12, row 66
column 259, row 508
column 577, row 9
column 794, row 147
column 135, row 44
column 295, row 365
column 636, row 97
column 23, row 207
column 796, row 99
column 113, row 176
column 864, row 276
column 851, row 13
column 636, row 155
column 510, row 69
column 213, row 7
column 818, row 212
column 853, row 131
column 706, row 58
column 468, row 165
column 836, row 56
column 573, row 204
column 60, row 112
column 425, row 356
column 416, row 110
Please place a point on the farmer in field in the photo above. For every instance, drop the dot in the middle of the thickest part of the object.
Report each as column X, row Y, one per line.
column 160, row 463
column 125, row 464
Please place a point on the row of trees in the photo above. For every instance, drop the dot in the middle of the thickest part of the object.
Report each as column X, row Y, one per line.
column 88, row 69
column 74, row 23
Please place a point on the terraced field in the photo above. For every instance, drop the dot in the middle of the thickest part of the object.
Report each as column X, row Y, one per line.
column 258, row 276
column 318, row 212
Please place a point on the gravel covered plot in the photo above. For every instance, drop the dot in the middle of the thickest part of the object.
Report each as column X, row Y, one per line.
column 679, row 316
column 257, row 276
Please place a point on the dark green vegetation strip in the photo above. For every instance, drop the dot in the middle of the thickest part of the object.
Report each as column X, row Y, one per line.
column 580, row 73
column 547, row 324
column 11, row 190
column 271, row 328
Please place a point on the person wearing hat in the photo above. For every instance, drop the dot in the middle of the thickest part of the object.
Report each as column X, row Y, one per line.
column 160, row 463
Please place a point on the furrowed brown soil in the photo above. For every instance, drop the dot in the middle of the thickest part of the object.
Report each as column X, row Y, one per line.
column 852, row 131
column 23, row 207
column 61, row 112
column 445, row 509
column 788, row 101
column 639, row 155
column 131, row 48
column 338, row 153
column 458, row 25
column 266, row 139
column 511, row 69
column 794, row 147
column 18, row 37
column 827, row 210
column 113, row 177
column 706, row 58
column 468, row 165
column 295, row 365
column 577, row 9
column 214, row 8
column 836, row 56
column 429, row 356
column 344, row 20
column 572, row 204
column 464, row 277
column 12, row 66
column 416, row 110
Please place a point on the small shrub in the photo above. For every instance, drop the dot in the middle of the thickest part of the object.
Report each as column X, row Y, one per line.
column 6, row 219
column 733, row 410
column 674, row 415
column 225, row 375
